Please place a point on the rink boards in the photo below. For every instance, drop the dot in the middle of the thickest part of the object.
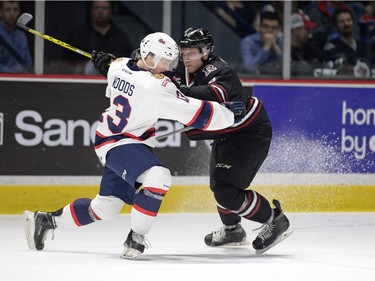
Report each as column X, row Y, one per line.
column 322, row 157
column 297, row 192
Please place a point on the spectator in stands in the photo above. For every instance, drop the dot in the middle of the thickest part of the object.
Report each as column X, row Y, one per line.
column 302, row 51
column 305, row 56
column 99, row 33
column 369, row 15
column 367, row 28
column 264, row 47
column 14, row 51
column 345, row 45
column 321, row 12
column 239, row 15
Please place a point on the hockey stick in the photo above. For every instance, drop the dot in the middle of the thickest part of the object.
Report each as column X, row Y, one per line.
column 25, row 18
column 183, row 129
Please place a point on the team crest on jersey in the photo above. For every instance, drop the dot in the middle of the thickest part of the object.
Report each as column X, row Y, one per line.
column 165, row 82
column 208, row 69
column 159, row 76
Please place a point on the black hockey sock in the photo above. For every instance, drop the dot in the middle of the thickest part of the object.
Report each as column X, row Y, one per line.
column 255, row 207
column 228, row 217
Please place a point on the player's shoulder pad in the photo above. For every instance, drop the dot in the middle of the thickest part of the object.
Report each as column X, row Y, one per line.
column 208, row 69
column 116, row 61
column 159, row 76
column 161, row 79
column 119, row 59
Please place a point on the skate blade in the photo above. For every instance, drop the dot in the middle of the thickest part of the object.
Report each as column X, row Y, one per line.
column 130, row 253
column 232, row 244
column 243, row 243
column 282, row 237
column 29, row 225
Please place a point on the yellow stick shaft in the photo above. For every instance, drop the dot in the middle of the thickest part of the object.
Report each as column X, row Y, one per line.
column 58, row 42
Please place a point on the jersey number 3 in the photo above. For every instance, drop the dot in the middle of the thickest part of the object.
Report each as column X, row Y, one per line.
column 123, row 114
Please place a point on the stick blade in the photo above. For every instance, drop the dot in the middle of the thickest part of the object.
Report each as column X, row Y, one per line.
column 24, row 19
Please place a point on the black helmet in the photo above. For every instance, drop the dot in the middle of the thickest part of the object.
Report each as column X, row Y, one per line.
column 197, row 38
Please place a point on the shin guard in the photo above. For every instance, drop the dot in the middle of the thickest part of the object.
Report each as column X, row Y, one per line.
column 76, row 214
column 156, row 182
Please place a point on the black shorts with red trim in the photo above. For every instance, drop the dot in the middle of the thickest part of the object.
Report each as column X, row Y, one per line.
column 237, row 158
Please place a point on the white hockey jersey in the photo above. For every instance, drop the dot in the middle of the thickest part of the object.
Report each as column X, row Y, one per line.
column 139, row 98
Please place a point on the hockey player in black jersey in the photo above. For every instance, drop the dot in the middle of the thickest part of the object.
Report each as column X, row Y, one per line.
column 237, row 152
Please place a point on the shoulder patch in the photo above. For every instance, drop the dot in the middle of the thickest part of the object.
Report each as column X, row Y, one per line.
column 209, row 69
column 159, row 76
column 119, row 59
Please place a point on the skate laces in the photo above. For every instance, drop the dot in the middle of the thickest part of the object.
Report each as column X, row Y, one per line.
column 266, row 228
column 219, row 235
column 45, row 229
column 45, row 233
column 141, row 239
column 266, row 231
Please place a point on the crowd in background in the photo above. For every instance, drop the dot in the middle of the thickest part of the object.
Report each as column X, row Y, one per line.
column 336, row 36
column 327, row 37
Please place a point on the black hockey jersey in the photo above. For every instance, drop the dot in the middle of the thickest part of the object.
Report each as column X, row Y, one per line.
column 217, row 81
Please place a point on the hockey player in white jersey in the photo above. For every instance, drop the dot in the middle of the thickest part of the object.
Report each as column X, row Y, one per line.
column 139, row 95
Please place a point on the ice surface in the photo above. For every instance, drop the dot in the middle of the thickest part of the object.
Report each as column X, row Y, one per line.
column 324, row 246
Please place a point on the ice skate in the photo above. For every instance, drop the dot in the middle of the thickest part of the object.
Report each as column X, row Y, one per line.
column 225, row 236
column 272, row 232
column 134, row 245
column 37, row 227
column 29, row 225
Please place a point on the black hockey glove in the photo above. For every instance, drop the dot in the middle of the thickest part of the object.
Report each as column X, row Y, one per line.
column 237, row 107
column 183, row 88
column 102, row 61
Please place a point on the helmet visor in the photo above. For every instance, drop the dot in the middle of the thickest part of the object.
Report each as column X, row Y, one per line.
column 165, row 64
column 190, row 54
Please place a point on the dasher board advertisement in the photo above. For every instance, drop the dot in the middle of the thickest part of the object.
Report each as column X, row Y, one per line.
column 48, row 128
column 320, row 129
